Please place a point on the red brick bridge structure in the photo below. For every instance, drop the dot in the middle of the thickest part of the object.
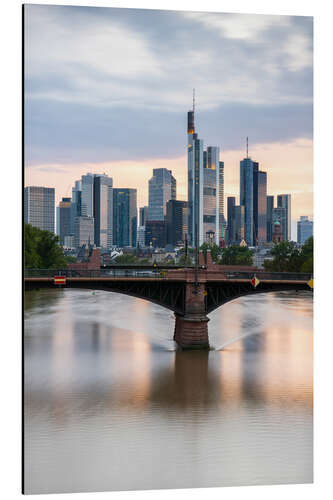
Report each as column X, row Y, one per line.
column 190, row 293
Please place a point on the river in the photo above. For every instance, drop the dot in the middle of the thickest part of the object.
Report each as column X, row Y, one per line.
column 112, row 404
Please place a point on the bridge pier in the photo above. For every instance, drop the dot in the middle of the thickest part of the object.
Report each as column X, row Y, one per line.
column 191, row 331
column 191, row 328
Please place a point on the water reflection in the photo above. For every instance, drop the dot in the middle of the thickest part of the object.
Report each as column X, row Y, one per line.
column 123, row 392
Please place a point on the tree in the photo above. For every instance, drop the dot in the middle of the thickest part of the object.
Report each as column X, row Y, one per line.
column 288, row 258
column 41, row 249
column 215, row 251
column 236, row 256
column 185, row 261
column 126, row 258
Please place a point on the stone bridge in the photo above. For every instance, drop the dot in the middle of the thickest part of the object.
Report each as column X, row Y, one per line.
column 191, row 294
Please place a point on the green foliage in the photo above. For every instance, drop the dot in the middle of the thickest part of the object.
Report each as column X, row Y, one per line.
column 215, row 251
column 126, row 258
column 185, row 261
column 236, row 256
column 41, row 249
column 288, row 258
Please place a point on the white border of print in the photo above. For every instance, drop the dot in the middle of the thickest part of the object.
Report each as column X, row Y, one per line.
column 11, row 248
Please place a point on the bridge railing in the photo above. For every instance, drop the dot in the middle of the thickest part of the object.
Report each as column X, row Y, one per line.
column 262, row 275
column 95, row 273
column 157, row 273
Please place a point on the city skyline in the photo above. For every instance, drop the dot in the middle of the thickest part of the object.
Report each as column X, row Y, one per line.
column 115, row 127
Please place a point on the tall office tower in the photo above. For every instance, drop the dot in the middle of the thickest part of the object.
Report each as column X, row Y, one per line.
column 125, row 217
column 231, row 202
column 155, row 233
column 87, row 194
column 143, row 216
column 162, row 188
column 204, row 174
column 284, row 200
column 195, row 162
column 83, row 231
column 103, row 210
column 76, row 203
column 238, row 224
column 304, row 229
column 259, row 205
column 270, row 206
column 279, row 214
column 222, row 220
column 141, row 236
column 39, row 207
column 246, row 197
column 64, row 222
column 176, row 219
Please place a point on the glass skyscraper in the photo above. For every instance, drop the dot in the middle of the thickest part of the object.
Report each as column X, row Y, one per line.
column 64, row 219
column 205, row 175
column 284, row 201
column 270, row 206
column 162, row 188
column 231, row 202
column 259, row 205
column 246, row 197
column 102, row 210
column 176, row 219
column 304, row 229
column 39, row 207
column 125, row 217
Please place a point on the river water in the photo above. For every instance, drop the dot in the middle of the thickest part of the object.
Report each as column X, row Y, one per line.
column 111, row 404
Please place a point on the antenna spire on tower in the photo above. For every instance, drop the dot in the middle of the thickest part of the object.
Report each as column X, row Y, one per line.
column 193, row 100
column 247, row 147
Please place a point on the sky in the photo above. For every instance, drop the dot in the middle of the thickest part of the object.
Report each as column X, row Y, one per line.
column 108, row 90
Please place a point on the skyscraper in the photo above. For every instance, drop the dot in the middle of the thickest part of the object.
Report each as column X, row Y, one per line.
column 125, row 217
column 39, row 207
column 87, row 194
column 64, row 215
column 231, row 202
column 162, row 188
column 270, row 206
column 246, row 197
column 143, row 215
column 238, row 224
column 259, row 205
column 204, row 173
column 155, row 233
column 176, row 218
column 83, row 231
column 304, row 229
column 284, row 200
column 102, row 210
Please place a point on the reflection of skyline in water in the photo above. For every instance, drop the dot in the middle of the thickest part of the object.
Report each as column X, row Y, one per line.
column 92, row 373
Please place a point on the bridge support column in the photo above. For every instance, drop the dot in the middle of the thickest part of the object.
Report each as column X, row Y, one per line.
column 191, row 331
column 191, row 328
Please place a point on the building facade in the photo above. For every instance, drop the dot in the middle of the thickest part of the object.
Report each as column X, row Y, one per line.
column 39, row 207
column 259, row 205
column 64, row 219
column 162, row 188
column 176, row 219
column 279, row 214
column 246, row 197
column 83, row 231
column 269, row 209
column 304, row 229
column 284, row 201
column 143, row 215
column 125, row 217
column 205, row 174
column 156, row 233
column 103, row 210
column 231, row 202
